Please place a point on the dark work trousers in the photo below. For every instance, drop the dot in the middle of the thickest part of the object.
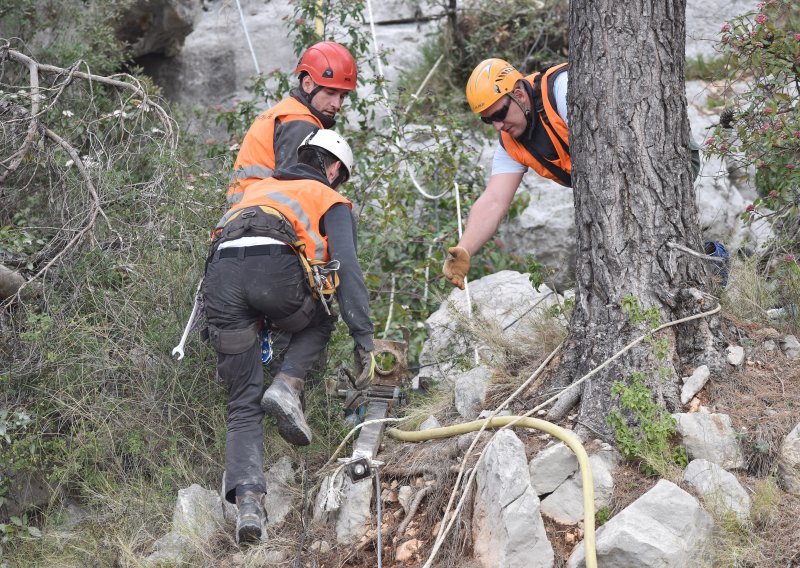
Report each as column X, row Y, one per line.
column 238, row 292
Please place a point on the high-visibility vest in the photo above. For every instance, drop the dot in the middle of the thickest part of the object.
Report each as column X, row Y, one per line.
column 256, row 159
column 302, row 202
column 547, row 151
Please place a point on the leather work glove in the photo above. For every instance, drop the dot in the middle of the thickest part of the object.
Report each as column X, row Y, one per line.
column 456, row 266
column 365, row 367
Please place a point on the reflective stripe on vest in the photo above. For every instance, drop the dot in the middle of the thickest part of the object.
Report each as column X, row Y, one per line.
column 258, row 151
column 256, row 171
column 301, row 202
column 319, row 245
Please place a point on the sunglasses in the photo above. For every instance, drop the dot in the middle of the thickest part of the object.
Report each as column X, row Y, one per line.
column 498, row 116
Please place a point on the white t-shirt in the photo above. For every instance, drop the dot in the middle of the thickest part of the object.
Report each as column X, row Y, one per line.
column 503, row 163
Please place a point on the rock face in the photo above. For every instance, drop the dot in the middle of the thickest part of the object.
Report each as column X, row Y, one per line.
column 507, row 528
column 789, row 462
column 710, row 437
column 546, row 228
column 157, row 26
column 664, row 527
column 721, row 491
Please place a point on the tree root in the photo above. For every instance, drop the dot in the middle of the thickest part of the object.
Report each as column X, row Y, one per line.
column 565, row 403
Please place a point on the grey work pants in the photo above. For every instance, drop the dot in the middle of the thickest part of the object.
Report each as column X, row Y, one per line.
column 239, row 291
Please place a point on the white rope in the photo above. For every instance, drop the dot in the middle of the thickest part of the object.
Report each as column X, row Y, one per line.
column 391, row 307
column 247, row 37
column 466, row 284
column 415, row 96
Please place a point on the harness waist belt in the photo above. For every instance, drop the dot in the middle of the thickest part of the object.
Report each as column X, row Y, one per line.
column 254, row 251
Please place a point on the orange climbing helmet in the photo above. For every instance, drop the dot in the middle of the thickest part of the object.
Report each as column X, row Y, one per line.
column 330, row 65
column 490, row 80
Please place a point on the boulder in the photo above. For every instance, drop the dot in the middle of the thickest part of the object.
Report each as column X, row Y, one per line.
column 470, row 389
column 710, row 437
column 505, row 300
column 720, row 490
column 694, row 383
column 507, row 527
column 735, row 355
column 565, row 504
column 791, row 347
column 551, row 467
column 664, row 527
column 279, row 480
column 789, row 462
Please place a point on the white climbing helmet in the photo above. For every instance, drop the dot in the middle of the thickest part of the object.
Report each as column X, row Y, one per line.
column 333, row 143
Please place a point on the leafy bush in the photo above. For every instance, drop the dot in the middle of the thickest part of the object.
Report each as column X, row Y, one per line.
column 761, row 124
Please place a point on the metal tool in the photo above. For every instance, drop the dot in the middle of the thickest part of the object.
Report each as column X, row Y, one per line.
column 194, row 318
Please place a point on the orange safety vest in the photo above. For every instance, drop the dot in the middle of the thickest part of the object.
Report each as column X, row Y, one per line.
column 302, row 202
column 256, row 159
column 554, row 142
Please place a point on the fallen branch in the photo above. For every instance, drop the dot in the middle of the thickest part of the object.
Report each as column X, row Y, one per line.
column 412, row 509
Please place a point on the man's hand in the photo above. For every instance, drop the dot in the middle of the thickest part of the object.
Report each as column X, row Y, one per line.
column 365, row 367
column 456, row 266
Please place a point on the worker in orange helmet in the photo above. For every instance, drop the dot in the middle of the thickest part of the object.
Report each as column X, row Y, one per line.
column 530, row 115
column 327, row 73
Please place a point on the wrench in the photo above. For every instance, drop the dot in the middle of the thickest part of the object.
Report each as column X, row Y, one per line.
column 189, row 324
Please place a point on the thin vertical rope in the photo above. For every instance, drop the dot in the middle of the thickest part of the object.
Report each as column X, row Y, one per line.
column 247, row 37
column 466, row 284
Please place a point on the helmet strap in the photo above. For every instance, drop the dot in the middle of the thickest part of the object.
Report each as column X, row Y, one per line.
column 525, row 111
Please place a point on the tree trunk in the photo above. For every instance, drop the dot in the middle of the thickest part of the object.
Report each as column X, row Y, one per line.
column 631, row 175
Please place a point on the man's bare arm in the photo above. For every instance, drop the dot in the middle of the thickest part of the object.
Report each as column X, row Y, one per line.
column 489, row 211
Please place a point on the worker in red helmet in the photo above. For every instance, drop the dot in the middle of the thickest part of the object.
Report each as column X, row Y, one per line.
column 327, row 74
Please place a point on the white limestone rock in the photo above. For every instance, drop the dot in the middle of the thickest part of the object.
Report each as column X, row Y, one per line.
column 551, row 467
column 789, row 462
column 664, row 527
column 695, row 383
column 720, row 490
column 507, row 527
column 710, row 436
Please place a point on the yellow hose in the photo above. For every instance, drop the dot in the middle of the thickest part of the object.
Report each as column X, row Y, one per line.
column 562, row 434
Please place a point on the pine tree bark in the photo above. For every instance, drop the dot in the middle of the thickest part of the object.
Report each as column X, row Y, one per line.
column 631, row 176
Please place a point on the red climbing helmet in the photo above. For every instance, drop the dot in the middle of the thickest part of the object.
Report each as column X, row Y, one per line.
column 330, row 65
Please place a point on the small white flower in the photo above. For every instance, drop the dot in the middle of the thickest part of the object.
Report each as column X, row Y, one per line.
column 190, row 186
column 155, row 130
column 69, row 163
column 67, row 113
column 117, row 112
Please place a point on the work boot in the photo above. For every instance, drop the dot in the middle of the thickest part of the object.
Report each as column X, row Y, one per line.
column 283, row 401
column 251, row 518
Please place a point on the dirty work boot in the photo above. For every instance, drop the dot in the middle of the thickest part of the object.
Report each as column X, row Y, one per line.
column 251, row 518
column 283, row 401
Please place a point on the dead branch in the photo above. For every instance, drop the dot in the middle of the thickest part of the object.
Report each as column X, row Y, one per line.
column 33, row 68
column 412, row 509
column 130, row 84
column 95, row 210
